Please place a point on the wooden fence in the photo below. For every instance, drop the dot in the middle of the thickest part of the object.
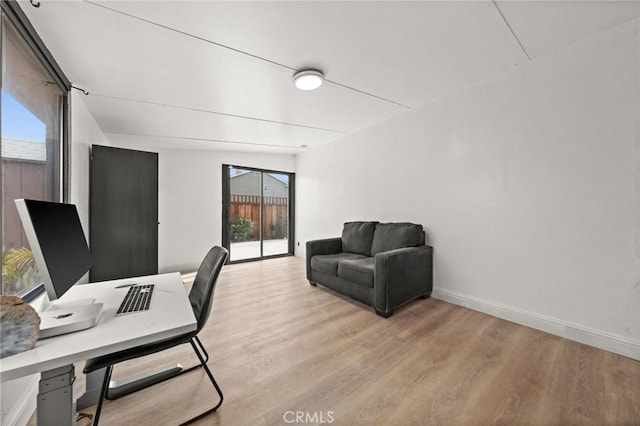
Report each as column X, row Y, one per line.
column 276, row 213
column 22, row 180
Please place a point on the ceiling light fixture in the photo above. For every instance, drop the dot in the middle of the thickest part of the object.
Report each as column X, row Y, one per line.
column 308, row 79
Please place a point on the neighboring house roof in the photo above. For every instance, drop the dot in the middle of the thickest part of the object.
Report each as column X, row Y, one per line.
column 238, row 172
column 249, row 184
column 16, row 149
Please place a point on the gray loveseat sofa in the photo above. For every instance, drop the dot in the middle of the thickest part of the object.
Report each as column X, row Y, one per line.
column 383, row 265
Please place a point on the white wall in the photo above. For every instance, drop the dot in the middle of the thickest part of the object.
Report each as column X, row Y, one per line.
column 190, row 201
column 190, row 185
column 84, row 133
column 527, row 185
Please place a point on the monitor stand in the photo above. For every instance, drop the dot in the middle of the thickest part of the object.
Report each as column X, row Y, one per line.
column 66, row 317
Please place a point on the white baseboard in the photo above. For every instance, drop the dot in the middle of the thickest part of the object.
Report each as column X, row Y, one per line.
column 607, row 341
column 24, row 404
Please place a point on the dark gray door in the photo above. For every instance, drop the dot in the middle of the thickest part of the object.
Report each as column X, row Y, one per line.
column 123, row 213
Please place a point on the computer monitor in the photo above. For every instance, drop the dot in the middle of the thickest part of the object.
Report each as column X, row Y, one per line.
column 62, row 256
column 57, row 242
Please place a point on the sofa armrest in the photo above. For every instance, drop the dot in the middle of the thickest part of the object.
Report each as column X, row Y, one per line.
column 402, row 275
column 324, row 246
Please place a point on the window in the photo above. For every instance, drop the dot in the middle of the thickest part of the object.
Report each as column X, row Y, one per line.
column 33, row 101
column 257, row 213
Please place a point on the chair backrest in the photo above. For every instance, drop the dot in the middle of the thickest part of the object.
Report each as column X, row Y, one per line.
column 201, row 294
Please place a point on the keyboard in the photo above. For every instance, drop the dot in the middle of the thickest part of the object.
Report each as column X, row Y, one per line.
column 137, row 299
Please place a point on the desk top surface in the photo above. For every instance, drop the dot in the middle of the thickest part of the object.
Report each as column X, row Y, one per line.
column 169, row 315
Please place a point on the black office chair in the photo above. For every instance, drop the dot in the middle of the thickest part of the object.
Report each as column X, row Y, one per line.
column 201, row 298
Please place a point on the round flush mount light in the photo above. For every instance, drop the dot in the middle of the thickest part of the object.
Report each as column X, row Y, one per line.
column 308, row 79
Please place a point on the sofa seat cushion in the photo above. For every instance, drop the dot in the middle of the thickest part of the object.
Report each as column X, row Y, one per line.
column 328, row 263
column 359, row 271
column 391, row 236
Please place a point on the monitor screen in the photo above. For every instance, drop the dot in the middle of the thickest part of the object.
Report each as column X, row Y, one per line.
column 58, row 243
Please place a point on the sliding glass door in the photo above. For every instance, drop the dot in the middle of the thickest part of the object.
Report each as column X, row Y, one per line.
column 257, row 213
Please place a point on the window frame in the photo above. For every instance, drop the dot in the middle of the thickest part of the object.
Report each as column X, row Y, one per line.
column 17, row 18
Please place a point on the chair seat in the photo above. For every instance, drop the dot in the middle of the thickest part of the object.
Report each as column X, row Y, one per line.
column 94, row 364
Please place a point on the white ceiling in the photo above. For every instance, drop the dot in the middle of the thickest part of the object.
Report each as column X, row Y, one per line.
column 218, row 75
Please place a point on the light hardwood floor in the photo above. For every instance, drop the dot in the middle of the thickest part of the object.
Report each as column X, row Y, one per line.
column 278, row 346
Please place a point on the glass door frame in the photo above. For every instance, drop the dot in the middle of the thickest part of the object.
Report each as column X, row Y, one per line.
column 13, row 17
column 226, row 212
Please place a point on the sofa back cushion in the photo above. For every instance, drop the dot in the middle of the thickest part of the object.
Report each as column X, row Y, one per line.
column 391, row 236
column 357, row 237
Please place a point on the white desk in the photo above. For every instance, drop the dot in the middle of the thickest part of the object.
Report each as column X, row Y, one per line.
column 169, row 315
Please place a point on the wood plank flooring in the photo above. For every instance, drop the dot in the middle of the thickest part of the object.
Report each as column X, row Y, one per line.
column 279, row 346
